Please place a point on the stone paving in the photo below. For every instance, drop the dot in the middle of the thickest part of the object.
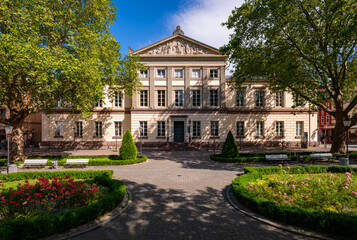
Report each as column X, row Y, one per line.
column 180, row 195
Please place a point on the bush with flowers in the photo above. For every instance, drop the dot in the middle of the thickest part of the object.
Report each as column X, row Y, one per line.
column 32, row 211
column 322, row 198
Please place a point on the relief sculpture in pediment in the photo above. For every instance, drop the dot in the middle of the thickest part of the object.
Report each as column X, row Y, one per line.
column 178, row 47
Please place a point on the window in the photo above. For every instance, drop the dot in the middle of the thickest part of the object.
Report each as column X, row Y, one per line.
column 161, row 73
column 196, row 98
column 279, row 129
column 260, row 129
column 213, row 73
column 100, row 103
column 213, row 98
column 143, row 74
column 240, row 129
column 298, row 101
column 279, row 99
column 59, row 129
column 196, row 73
column 59, row 103
column 196, row 127
column 117, row 129
column 178, row 98
column 79, row 129
column 161, row 98
column 299, row 128
column 161, row 129
column 179, row 73
column 143, row 129
column 259, row 99
column 322, row 120
column 118, row 99
column 240, row 99
column 98, row 129
column 2, row 113
column 214, row 128
column 327, row 118
column 143, row 98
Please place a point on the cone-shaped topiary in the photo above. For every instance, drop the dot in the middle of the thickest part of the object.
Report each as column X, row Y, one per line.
column 230, row 149
column 128, row 149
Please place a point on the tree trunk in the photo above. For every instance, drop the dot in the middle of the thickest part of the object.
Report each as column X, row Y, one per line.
column 17, row 145
column 339, row 138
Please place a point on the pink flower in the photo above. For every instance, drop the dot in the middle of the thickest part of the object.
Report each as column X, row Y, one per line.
column 284, row 194
column 293, row 185
column 355, row 193
column 280, row 165
column 347, row 173
column 346, row 187
column 24, row 203
column 288, row 167
column 328, row 193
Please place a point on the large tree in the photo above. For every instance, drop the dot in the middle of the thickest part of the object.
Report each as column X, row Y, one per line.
column 54, row 49
column 306, row 47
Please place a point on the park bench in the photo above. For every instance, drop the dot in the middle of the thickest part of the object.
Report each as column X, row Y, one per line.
column 277, row 157
column 76, row 162
column 35, row 162
column 322, row 156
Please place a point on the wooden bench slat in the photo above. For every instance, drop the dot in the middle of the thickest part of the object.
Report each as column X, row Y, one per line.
column 83, row 162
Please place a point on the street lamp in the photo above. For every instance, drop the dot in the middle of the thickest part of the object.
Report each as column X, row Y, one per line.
column 347, row 124
column 8, row 130
column 141, row 144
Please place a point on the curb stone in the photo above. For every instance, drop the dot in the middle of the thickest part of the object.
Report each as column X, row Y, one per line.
column 232, row 200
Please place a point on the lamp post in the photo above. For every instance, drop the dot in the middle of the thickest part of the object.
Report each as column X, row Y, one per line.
column 8, row 130
column 33, row 139
column 141, row 144
column 347, row 124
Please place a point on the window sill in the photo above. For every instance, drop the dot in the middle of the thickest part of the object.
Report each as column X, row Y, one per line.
column 297, row 137
column 117, row 137
column 196, row 137
column 279, row 137
column 97, row 136
column 240, row 137
column 78, row 136
column 217, row 137
column 259, row 137
column 57, row 136
column 161, row 137
column 144, row 137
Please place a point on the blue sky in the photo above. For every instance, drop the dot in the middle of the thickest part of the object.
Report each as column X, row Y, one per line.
column 140, row 23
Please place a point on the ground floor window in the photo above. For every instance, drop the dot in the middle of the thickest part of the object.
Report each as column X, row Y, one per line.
column 260, row 129
column 59, row 128
column 279, row 127
column 240, row 128
column 118, row 129
column 98, row 129
column 79, row 129
column 299, row 128
column 214, row 128
column 143, row 129
column 196, row 129
column 161, row 129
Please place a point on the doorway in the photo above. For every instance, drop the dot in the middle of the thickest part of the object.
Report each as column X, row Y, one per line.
column 179, row 131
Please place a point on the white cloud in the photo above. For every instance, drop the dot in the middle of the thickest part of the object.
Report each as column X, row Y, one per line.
column 202, row 19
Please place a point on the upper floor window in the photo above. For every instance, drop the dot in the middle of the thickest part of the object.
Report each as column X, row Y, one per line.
column 196, row 129
column 79, row 129
column 240, row 129
column 100, row 103
column 299, row 128
column 143, row 74
column 161, row 98
column 322, row 120
column 298, row 101
column 179, row 73
column 240, row 99
column 143, row 129
column 161, row 73
column 178, row 98
column 327, row 119
column 59, row 128
column 213, row 73
column 196, row 98
column 143, row 98
column 118, row 99
column 279, row 129
column 161, row 129
column 213, row 98
column 196, row 73
column 214, row 128
column 279, row 99
column 3, row 113
column 259, row 98
column 98, row 129
column 260, row 129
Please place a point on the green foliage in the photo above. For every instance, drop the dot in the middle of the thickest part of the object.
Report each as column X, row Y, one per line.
column 128, row 149
column 49, row 224
column 229, row 149
column 327, row 222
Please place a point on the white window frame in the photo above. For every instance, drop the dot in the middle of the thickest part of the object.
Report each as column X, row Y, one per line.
column 213, row 97
column 161, row 98
column 160, row 73
column 144, row 98
column 161, row 129
column 240, row 129
column 98, row 129
column 118, row 99
column 322, row 120
column 260, row 129
column 196, row 98
column 213, row 73
column 196, row 128
column 79, row 129
column 259, row 98
column 179, row 98
column 118, row 126
column 59, row 129
column 240, row 99
column 279, row 129
column 299, row 128
column 143, row 130
column 327, row 119
column 143, row 74
column 100, row 104
column 178, row 73
column 279, row 99
column 214, row 128
column 196, row 73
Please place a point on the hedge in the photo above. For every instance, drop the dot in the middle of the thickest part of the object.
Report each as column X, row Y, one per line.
column 48, row 224
column 327, row 222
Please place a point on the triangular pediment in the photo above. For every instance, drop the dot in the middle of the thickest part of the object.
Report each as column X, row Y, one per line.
column 177, row 45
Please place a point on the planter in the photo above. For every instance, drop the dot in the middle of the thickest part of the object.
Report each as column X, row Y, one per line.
column 344, row 161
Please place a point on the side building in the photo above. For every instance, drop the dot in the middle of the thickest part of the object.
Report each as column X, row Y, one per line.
column 185, row 98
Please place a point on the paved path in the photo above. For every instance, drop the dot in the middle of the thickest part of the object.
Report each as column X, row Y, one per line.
column 180, row 195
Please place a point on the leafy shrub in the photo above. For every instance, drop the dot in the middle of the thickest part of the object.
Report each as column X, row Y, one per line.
column 229, row 149
column 128, row 149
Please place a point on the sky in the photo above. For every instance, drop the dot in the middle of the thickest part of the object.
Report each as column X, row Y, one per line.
column 140, row 23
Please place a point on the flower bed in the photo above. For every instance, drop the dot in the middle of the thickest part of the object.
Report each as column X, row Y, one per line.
column 63, row 204
column 322, row 198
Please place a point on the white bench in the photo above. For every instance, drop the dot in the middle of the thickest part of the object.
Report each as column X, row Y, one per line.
column 35, row 162
column 76, row 162
column 277, row 157
column 322, row 156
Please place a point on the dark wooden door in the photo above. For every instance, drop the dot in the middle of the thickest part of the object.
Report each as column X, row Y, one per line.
column 179, row 131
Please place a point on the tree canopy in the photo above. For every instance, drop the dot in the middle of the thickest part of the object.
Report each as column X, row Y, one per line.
column 53, row 49
column 306, row 47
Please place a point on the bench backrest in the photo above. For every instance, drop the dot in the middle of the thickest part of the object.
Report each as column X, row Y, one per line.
column 278, row 156
column 77, row 161
column 317, row 155
column 39, row 161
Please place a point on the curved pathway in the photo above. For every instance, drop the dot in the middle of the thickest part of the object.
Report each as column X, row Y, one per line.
column 180, row 195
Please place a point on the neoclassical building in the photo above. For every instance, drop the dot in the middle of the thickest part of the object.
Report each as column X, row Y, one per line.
column 185, row 97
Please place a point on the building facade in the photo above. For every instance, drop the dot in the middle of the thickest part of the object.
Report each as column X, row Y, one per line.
column 185, row 97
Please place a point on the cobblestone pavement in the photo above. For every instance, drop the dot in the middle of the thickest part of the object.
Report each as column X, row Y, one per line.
column 180, row 195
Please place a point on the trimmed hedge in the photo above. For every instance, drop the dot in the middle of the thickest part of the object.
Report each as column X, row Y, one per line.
column 229, row 149
column 326, row 222
column 48, row 224
column 128, row 149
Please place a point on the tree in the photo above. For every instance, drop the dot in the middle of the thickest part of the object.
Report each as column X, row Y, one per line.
column 51, row 50
column 229, row 148
column 306, row 47
column 128, row 149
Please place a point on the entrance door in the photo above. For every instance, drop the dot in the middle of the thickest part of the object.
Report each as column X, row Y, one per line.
column 179, row 130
